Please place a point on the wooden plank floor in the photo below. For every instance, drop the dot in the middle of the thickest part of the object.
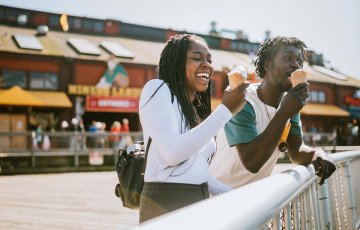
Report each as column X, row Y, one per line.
column 66, row 201
column 63, row 201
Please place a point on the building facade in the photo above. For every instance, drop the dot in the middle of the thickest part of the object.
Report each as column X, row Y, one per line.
column 59, row 73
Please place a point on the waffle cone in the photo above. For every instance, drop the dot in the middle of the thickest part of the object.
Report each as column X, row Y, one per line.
column 297, row 77
column 235, row 79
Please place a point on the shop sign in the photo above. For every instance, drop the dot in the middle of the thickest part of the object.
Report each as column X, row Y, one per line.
column 111, row 104
column 112, row 91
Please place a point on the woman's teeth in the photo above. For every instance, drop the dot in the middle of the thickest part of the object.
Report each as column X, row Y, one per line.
column 203, row 75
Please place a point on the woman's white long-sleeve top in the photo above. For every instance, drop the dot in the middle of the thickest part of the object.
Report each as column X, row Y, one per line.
column 177, row 154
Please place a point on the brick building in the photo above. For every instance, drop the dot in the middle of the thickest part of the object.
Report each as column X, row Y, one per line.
column 57, row 72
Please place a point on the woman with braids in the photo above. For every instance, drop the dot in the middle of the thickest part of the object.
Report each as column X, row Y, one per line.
column 176, row 117
column 255, row 133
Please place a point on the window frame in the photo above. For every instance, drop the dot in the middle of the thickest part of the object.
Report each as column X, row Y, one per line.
column 317, row 96
column 27, row 80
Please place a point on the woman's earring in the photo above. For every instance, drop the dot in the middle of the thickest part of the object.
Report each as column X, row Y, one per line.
column 197, row 101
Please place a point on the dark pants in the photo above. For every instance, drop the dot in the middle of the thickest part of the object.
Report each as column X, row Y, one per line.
column 160, row 198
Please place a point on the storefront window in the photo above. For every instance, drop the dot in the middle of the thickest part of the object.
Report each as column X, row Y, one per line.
column 75, row 23
column 11, row 15
column 317, row 97
column 47, row 81
column 2, row 14
column 322, row 98
column 313, row 96
column 88, row 24
column 10, row 78
column 54, row 21
column 98, row 26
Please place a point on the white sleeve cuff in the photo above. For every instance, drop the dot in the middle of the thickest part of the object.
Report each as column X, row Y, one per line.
column 223, row 112
column 317, row 153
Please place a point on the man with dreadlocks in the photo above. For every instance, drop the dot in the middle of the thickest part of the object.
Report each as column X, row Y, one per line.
column 175, row 114
column 249, row 145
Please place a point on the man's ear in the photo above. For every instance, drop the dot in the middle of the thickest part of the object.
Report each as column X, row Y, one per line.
column 267, row 66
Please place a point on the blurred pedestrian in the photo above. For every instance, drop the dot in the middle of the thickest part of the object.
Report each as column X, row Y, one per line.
column 103, row 138
column 38, row 136
column 125, row 126
column 75, row 136
column 114, row 137
column 93, row 129
column 126, row 139
column 46, row 144
column 82, row 135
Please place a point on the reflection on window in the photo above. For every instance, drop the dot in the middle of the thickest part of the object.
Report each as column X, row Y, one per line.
column 317, row 96
column 74, row 23
column 54, row 20
column 43, row 81
column 88, row 25
column 2, row 14
column 10, row 78
column 98, row 26
column 11, row 15
column 314, row 96
column 322, row 97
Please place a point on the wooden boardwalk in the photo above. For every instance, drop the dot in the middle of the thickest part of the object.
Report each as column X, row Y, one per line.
column 63, row 201
column 66, row 201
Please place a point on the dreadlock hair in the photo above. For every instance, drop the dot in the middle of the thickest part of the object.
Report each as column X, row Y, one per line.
column 172, row 70
column 269, row 49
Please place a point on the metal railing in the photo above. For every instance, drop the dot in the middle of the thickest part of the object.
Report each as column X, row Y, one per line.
column 288, row 200
column 15, row 146
column 320, row 138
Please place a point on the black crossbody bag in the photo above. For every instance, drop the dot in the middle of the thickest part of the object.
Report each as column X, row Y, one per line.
column 130, row 169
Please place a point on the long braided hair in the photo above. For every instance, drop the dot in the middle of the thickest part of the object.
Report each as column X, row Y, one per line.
column 269, row 49
column 172, row 70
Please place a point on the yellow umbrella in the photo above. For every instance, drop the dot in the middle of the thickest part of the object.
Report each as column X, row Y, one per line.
column 16, row 96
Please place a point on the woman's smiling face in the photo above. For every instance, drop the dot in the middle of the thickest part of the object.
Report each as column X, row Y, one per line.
column 198, row 67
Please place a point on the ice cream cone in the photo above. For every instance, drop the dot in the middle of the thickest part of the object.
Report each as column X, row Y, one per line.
column 237, row 76
column 297, row 77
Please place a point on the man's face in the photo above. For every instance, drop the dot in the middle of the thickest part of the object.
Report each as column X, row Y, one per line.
column 287, row 60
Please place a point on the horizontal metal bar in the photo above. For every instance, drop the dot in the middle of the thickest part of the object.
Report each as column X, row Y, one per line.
column 247, row 207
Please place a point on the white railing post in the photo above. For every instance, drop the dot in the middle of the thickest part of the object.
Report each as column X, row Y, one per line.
column 351, row 195
column 287, row 217
column 297, row 213
column 315, row 206
column 302, row 211
column 276, row 221
column 308, row 210
column 324, row 206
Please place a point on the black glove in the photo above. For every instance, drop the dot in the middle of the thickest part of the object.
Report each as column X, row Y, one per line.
column 323, row 168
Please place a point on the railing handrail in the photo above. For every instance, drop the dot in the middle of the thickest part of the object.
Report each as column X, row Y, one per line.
column 69, row 132
column 348, row 155
column 227, row 210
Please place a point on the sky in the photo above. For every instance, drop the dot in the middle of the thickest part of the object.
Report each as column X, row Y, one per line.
column 328, row 27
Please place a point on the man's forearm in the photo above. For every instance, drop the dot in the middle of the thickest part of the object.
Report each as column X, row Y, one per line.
column 255, row 154
column 299, row 153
